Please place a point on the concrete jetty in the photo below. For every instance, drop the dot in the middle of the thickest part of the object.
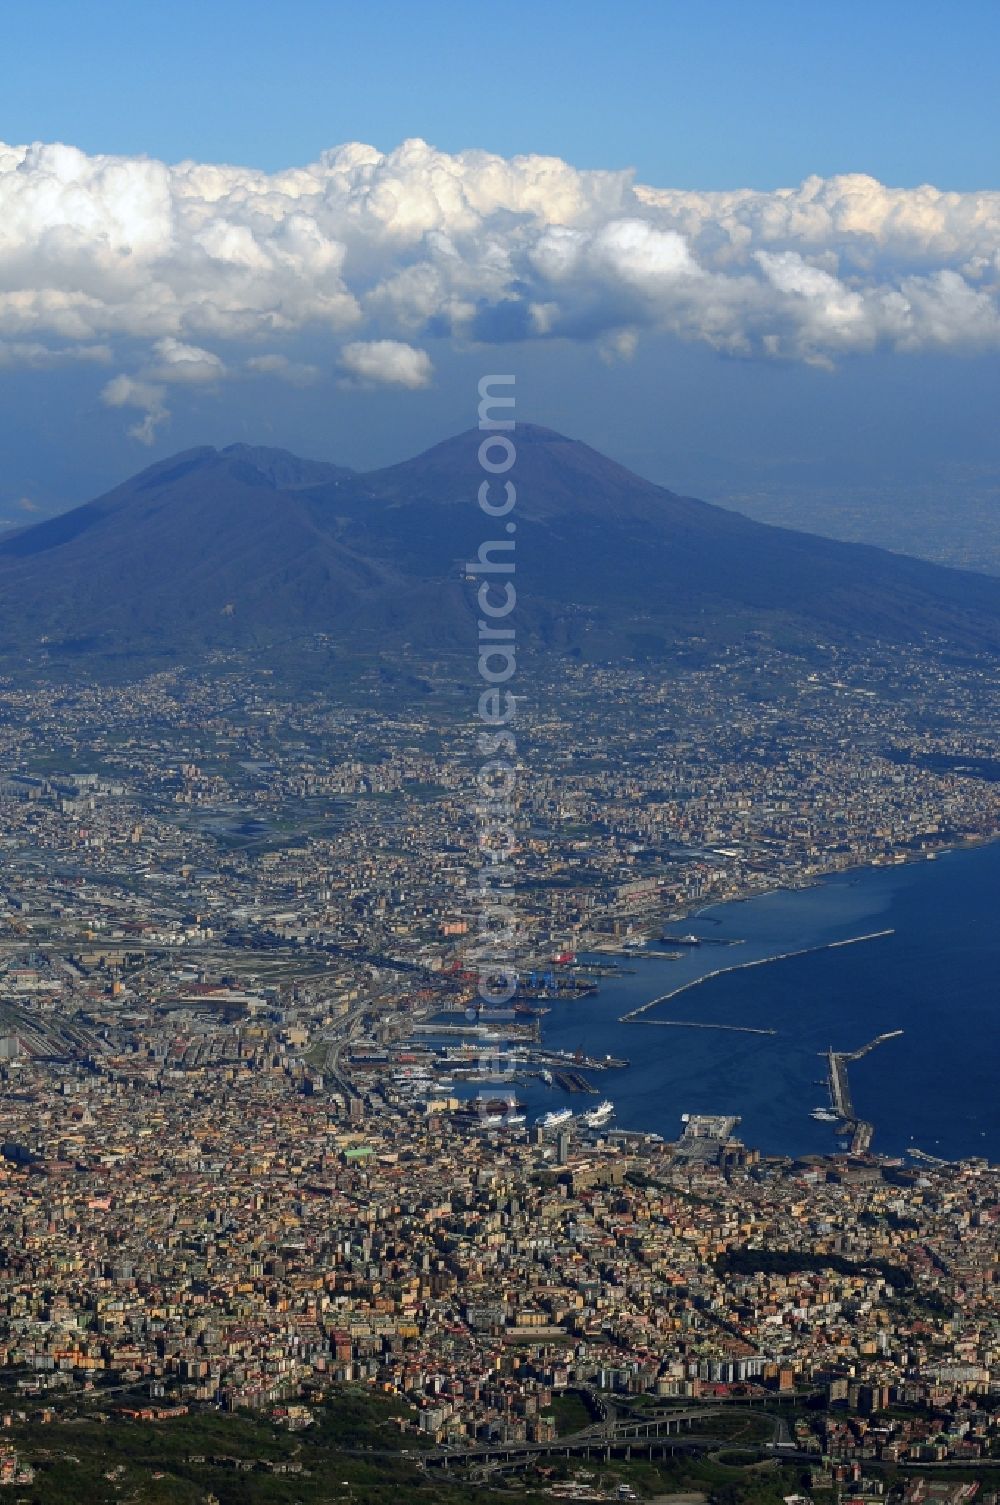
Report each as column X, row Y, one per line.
column 763, row 961
column 840, row 1091
column 736, row 1029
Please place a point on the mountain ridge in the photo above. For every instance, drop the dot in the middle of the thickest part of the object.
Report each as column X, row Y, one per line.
column 226, row 548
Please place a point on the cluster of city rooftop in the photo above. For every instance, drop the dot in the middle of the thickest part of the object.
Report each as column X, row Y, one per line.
column 226, row 909
column 233, row 1242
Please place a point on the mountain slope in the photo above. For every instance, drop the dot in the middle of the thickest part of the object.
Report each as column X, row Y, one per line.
column 174, row 554
column 592, row 533
column 249, row 546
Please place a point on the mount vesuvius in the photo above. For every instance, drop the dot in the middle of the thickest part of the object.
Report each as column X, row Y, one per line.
column 249, row 547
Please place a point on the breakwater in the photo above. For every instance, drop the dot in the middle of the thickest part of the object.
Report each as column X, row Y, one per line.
column 736, row 1029
column 836, row 1062
column 764, row 961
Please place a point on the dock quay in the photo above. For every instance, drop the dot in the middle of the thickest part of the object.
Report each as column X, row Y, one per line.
column 564, row 1061
column 572, row 1081
column 598, row 969
column 526, row 1058
column 926, row 1159
column 488, row 1034
column 840, row 1091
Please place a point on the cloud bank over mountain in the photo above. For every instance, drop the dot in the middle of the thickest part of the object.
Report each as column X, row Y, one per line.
column 198, row 274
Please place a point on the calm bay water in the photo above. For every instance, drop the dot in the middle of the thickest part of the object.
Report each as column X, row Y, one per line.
column 936, row 978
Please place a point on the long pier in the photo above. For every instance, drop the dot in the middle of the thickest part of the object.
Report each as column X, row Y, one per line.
column 763, row 961
column 840, row 1091
column 736, row 1029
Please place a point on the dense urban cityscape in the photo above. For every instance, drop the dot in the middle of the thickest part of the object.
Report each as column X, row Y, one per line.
column 240, row 1165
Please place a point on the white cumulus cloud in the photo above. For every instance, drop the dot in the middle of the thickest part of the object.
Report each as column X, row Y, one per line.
column 188, row 365
column 125, row 392
column 388, row 362
column 296, row 373
column 195, row 273
column 33, row 355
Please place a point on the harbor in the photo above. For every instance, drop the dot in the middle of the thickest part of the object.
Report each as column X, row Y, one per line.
column 753, row 1040
column 867, row 958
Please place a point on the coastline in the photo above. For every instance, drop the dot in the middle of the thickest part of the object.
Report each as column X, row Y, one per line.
column 819, row 880
column 603, row 945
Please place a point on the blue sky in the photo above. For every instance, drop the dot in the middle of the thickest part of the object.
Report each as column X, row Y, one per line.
column 692, row 93
column 714, row 372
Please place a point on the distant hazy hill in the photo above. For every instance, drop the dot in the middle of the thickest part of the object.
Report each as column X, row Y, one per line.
column 253, row 547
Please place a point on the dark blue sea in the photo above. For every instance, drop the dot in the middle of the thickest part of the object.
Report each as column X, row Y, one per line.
column 937, row 978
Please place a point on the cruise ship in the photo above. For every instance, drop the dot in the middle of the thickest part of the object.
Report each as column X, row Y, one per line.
column 824, row 1115
column 599, row 1115
column 553, row 1119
